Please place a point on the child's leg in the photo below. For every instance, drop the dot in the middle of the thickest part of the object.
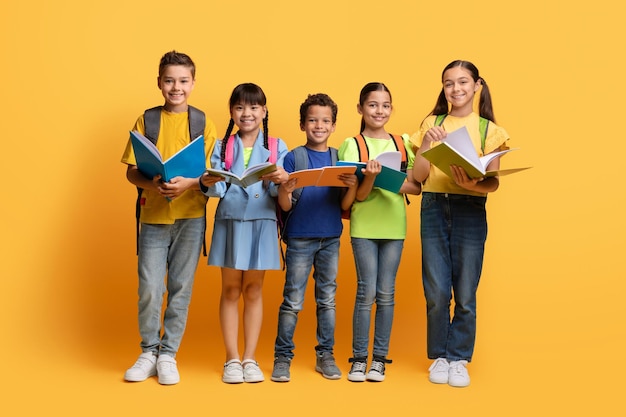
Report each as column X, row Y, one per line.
column 252, row 290
column 229, row 310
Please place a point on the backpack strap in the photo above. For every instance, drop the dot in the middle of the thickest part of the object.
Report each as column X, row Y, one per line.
column 397, row 140
column 230, row 149
column 152, row 123
column 361, row 145
column 483, row 127
column 301, row 161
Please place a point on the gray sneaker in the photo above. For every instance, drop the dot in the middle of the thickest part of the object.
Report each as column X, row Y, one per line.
column 325, row 364
column 280, row 373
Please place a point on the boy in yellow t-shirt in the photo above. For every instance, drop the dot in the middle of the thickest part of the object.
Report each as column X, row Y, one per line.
column 172, row 225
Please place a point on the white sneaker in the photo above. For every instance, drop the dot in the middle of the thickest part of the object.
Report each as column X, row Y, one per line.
column 458, row 376
column 144, row 368
column 439, row 371
column 251, row 371
column 167, row 370
column 233, row 372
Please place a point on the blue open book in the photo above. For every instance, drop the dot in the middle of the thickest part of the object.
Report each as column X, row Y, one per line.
column 189, row 162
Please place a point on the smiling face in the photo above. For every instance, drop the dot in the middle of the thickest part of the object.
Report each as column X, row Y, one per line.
column 176, row 83
column 459, row 88
column 376, row 109
column 318, row 126
column 248, row 117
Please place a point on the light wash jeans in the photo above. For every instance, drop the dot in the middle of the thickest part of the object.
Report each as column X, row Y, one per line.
column 377, row 262
column 302, row 254
column 453, row 232
column 172, row 249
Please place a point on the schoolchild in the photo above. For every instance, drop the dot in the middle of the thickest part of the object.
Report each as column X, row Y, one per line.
column 377, row 231
column 453, row 222
column 172, row 225
column 245, row 235
column 312, row 232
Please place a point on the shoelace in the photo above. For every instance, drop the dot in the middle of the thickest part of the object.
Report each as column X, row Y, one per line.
column 167, row 366
column 358, row 367
column 440, row 365
column 378, row 367
column 457, row 368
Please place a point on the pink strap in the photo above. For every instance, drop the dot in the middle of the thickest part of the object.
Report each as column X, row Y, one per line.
column 230, row 146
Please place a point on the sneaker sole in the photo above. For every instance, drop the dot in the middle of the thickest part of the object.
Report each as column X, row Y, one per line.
column 169, row 381
column 327, row 376
column 458, row 385
column 438, row 381
column 131, row 378
column 253, row 380
column 375, row 377
column 232, row 380
column 356, row 378
column 280, row 379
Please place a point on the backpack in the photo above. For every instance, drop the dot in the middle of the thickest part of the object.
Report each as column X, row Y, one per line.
column 152, row 125
column 301, row 161
column 483, row 127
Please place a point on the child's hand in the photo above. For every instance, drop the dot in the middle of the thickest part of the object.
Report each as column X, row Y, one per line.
column 461, row 178
column 288, row 186
column 372, row 168
column 435, row 134
column 208, row 180
column 176, row 187
column 277, row 177
column 349, row 180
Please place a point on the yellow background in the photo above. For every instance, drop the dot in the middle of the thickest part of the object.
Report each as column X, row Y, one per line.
column 75, row 75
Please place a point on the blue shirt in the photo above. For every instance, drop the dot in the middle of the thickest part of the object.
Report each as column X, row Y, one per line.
column 317, row 214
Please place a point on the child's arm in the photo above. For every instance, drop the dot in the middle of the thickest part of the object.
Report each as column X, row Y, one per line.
column 285, row 191
column 371, row 170
column 351, row 181
column 135, row 177
column 411, row 186
column 421, row 166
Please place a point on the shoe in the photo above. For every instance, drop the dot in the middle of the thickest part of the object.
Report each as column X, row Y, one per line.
column 357, row 371
column 251, row 371
column 280, row 373
column 377, row 369
column 439, row 371
column 458, row 376
column 233, row 372
column 325, row 364
column 167, row 370
column 144, row 368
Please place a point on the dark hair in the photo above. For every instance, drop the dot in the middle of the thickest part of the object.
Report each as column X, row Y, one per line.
column 246, row 93
column 365, row 92
column 485, row 107
column 176, row 58
column 319, row 99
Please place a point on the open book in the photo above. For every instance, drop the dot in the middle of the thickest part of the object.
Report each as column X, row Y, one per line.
column 390, row 177
column 457, row 149
column 248, row 177
column 321, row 177
column 189, row 162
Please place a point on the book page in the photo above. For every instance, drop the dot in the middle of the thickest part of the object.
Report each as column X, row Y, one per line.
column 330, row 176
column 391, row 159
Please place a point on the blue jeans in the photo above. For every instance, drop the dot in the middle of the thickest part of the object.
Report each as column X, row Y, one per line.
column 172, row 249
column 377, row 262
column 453, row 233
column 301, row 255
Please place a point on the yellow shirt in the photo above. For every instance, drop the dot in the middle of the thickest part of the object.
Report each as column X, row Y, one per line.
column 173, row 136
column 438, row 181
